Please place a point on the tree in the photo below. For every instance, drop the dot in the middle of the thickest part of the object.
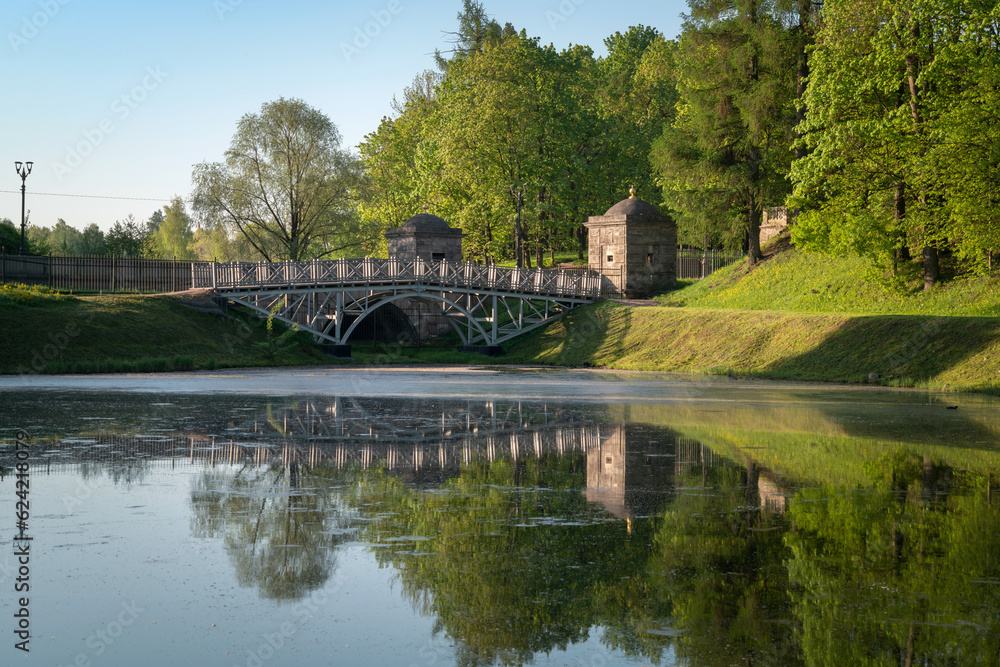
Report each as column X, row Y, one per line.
column 287, row 185
column 511, row 118
column 37, row 240
column 397, row 181
column 10, row 237
column 64, row 239
column 635, row 96
column 173, row 236
column 902, row 133
column 279, row 532
column 129, row 238
column 91, row 241
column 475, row 29
column 733, row 133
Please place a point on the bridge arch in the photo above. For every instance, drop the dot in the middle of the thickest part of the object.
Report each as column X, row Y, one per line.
column 419, row 296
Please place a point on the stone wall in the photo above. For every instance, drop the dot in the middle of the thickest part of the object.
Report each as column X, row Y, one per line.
column 774, row 221
column 407, row 245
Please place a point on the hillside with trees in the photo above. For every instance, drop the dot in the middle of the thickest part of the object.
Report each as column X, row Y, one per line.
column 875, row 123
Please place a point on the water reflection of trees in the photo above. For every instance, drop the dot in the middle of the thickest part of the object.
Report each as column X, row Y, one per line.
column 506, row 582
column 517, row 557
column 279, row 524
column 500, row 576
column 906, row 572
column 125, row 473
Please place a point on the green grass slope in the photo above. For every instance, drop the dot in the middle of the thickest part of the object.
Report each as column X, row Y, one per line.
column 44, row 332
column 955, row 353
column 792, row 280
column 798, row 316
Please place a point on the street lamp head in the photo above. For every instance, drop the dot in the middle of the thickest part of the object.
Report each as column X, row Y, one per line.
column 17, row 166
column 29, row 166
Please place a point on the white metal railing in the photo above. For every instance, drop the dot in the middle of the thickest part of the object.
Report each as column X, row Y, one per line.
column 369, row 271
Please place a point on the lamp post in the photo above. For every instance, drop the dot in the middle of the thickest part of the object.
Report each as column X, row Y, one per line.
column 23, row 170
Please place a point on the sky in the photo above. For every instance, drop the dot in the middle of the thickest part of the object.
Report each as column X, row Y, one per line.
column 115, row 101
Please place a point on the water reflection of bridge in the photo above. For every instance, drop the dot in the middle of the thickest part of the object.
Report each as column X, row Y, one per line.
column 630, row 468
column 411, row 454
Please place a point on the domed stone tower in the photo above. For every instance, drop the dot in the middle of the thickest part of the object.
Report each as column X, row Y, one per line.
column 635, row 246
column 425, row 236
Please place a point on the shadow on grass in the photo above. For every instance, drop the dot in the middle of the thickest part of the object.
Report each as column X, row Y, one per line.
column 899, row 349
column 589, row 336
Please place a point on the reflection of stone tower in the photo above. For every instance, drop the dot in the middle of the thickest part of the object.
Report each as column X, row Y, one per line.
column 426, row 237
column 630, row 479
column 635, row 245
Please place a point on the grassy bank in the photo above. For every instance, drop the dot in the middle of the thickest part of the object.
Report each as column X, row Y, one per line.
column 45, row 332
column 792, row 280
column 797, row 316
column 955, row 353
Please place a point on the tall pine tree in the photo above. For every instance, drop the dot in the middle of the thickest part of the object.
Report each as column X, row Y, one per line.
column 728, row 153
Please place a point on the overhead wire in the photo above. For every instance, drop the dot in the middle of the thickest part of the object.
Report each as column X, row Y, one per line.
column 57, row 194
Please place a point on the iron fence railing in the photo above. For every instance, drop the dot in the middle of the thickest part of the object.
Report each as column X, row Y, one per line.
column 696, row 264
column 97, row 274
column 372, row 271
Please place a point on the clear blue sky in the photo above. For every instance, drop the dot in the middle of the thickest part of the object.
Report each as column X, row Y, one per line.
column 119, row 99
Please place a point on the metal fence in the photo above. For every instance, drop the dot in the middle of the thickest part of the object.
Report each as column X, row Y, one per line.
column 126, row 274
column 695, row 264
column 97, row 274
column 369, row 272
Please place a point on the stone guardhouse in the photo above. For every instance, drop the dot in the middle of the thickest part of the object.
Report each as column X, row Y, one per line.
column 426, row 237
column 635, row 246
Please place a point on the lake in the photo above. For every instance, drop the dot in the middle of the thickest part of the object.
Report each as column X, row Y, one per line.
column 490, row 516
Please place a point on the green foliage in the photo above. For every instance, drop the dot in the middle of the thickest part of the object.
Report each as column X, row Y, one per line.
column 488, row 544
column 902, row 133
column 173, row 236
column 129, row 238
column 475, row 30
column 16, row 294
column 511, row 116
column 726, row 156
column 921, row 548
column 10, row 239
column 277, row 344
column 286, row 185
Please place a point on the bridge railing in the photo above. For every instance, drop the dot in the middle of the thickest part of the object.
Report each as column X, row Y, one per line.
column 369, row 271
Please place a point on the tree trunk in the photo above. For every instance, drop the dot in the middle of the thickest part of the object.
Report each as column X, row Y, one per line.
column 899, row 213
column 931, row 269
column 754, row 255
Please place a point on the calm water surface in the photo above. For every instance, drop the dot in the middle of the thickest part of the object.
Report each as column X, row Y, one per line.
column 500, row 518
